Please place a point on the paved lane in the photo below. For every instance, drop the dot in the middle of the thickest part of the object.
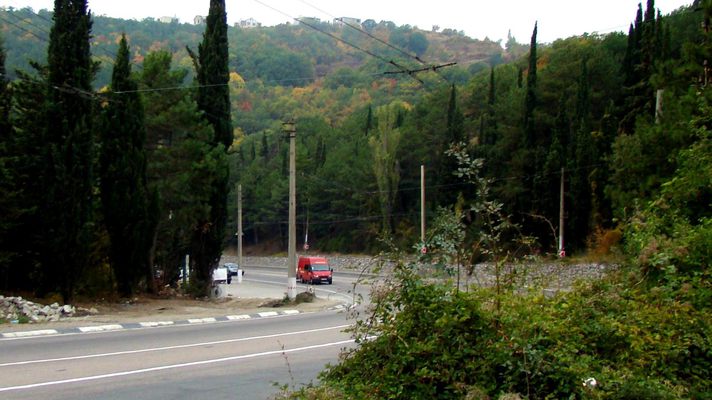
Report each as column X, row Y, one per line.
column 239, row 359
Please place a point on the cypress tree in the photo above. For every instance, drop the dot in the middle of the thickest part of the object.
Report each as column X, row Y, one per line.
column 369, row 121
column 583, row 102
column 488, row 123
column 581, row 157
column 264, row 151
column 454, row 118
column 25, row 158
column 530, row 100
column 129, row 214
column 491, row 95
column 68, row 203
column 214, row 100
column 4, row 98
column 7, row 192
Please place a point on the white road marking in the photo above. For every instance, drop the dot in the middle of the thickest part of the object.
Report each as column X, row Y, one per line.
column 238, row 317
column 30, row 333
column 101, row 328
column 174, row 366
column 201, row 320
column 268, row 314
column 183, row 346
column 156, row 323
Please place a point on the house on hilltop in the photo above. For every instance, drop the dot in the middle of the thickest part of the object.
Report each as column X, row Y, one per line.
column 248, row 23
column 347, row 21
column 199, row 20
column 168, row 20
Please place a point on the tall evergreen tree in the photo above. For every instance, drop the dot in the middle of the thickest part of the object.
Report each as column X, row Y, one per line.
column 530, row 101
column 385, row 145
column 455, row 119
column 26, row 162
column 130, row 211
column 264, row 150
column 369, row 121
column 180, row 160
column 580, row 160
column 645, row 49
column 68, row 180
column 214, row 100
column 4, row 97
column 7, row 191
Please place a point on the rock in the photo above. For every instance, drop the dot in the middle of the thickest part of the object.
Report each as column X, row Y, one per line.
column 15, row 307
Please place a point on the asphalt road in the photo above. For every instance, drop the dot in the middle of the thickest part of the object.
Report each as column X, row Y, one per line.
column 227, row 360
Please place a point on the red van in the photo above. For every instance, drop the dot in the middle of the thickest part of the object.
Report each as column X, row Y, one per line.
column 313, row 270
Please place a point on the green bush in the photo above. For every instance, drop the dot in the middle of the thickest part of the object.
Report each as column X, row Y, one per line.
column 425, row 341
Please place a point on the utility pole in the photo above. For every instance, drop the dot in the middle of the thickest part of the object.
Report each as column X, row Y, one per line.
column 239, row 227
column 562, row 252
column 422, row 208
column 291, row 132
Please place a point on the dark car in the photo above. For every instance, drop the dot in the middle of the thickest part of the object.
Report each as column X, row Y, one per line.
column 231, row 268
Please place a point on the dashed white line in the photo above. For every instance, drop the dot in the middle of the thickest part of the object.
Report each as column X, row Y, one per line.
column 174, row 366
column 120, row 353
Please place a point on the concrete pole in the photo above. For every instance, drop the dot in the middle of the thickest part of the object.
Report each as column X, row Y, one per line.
column 422, row 204
column 239, row 227
column 562, row 252
column 291, row 132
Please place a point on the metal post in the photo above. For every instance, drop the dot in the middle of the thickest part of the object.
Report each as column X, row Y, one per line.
column 291, row 131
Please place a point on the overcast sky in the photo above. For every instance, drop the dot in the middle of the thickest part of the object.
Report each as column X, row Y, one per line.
column 477, row 18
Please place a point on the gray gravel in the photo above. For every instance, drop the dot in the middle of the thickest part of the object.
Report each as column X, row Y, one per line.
column 552, row 276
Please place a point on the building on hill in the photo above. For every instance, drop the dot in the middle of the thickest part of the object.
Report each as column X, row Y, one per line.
column 248, row 23
column 309, row 20
column 199, row 20
column 168, row 20
column 347, row 21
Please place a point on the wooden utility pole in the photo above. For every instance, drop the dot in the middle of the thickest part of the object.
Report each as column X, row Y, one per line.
column 562, row 252
column 291, row 132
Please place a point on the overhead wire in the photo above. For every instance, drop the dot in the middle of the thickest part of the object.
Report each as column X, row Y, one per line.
column 411, row 72
column 357, row 28
column 346, row 42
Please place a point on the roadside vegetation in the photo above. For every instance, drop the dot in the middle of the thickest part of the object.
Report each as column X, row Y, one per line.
column 642, row 332
column 623, row 120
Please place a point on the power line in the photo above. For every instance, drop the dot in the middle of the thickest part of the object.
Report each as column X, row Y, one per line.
column 390, row 62
column 29, row 22
column 357, row 28
column 23, row 29
column 410, row 72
